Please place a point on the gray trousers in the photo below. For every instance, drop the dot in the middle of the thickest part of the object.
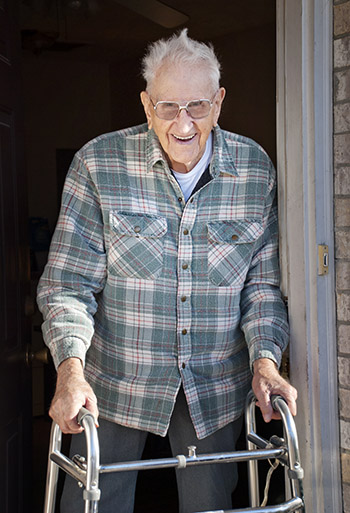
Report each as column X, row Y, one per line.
column 200, row 488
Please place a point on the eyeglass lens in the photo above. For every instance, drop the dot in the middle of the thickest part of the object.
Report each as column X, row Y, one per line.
column 197, row 109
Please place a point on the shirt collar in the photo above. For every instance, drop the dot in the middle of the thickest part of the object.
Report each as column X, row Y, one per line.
column 222, row 160
column 154, row 152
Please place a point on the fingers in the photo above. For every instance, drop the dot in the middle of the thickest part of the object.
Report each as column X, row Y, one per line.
column 91, row 405
column 72, row 393
column 65, row 415
column 267, row 382
column 264, row 403
column 290, row 395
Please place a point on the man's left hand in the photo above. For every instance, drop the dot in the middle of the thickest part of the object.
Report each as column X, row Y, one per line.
column 267, row 381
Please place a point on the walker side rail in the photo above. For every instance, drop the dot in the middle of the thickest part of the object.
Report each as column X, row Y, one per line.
column 86, row 472
column 291, row 460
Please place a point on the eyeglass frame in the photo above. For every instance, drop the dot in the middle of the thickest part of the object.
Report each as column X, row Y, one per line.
column 181, row 107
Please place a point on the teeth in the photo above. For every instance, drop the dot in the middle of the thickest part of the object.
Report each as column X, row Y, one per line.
column 184, row 138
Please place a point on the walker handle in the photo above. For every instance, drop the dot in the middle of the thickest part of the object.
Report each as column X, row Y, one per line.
column 83, row 413
column 275, row 399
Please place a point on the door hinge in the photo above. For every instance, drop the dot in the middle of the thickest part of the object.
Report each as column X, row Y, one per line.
column 323, row 259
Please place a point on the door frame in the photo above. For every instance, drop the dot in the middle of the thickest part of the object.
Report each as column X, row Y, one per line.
column 305, row 172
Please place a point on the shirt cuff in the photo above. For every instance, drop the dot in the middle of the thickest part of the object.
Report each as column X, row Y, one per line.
column 71, row 347
column 273, row 353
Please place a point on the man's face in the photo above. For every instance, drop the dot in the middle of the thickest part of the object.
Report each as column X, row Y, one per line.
column 183, row 139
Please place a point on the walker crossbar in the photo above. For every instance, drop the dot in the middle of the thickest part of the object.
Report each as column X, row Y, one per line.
column 182, row 461
column 86, row 471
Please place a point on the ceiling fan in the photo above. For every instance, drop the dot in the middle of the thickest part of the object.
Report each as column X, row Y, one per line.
column 39, row 41
column 154, row 10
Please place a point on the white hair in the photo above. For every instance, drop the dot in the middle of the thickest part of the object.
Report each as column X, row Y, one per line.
column 180, row 49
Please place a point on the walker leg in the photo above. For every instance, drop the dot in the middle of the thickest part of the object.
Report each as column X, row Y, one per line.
column 88, row 476
column 253, row 480
column 52, row 470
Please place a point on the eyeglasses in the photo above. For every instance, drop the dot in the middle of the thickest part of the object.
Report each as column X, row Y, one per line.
column 197, row 109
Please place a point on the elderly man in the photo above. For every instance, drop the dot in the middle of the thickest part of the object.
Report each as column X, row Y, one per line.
column 160, row 296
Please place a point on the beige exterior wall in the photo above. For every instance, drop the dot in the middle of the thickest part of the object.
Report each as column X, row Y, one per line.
column 342, row 225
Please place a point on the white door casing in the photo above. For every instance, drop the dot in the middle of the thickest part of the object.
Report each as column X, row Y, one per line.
column 305, row 177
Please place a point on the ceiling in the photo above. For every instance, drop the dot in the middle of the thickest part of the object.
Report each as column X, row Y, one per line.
column 109, row 31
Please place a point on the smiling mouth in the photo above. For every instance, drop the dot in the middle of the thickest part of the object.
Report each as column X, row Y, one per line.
column 187, row 138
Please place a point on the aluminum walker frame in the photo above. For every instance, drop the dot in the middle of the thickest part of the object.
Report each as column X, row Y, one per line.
column 86, row 471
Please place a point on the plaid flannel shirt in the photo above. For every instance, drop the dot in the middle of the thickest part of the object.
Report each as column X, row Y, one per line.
column 150, row 291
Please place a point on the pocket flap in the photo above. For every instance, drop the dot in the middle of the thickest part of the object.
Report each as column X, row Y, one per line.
column 138, row 225
column 234, row 232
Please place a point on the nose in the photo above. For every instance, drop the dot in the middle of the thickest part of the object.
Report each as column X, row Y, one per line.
column 184, row 120
column 183, row 107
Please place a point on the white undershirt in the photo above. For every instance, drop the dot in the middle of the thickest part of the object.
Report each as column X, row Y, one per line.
column 187, row 181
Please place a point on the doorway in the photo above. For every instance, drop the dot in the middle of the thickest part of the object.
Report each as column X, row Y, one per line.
column 75, row 89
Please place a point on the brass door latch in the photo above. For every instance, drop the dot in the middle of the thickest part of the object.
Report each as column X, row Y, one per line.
column 323, row 259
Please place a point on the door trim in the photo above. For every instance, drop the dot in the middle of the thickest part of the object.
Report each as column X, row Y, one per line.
column 305, row 172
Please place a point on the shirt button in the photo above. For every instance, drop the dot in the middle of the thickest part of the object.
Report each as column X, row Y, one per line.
column 184, row 331
column 137, row 229
column 185, row 232
column 183, row 299
column 234, row 237
column 184, row 266
column 183, row 365
column 180, row 199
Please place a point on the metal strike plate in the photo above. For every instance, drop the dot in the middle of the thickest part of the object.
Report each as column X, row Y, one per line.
column 323, row 260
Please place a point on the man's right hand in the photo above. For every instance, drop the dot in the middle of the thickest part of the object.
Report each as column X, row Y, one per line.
column 72, row 392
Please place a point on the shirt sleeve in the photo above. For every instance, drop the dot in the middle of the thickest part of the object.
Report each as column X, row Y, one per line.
column 76, row 268
column 264, row 316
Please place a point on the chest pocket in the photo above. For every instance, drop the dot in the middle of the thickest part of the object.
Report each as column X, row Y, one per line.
column 230, row 249
column 137, row 244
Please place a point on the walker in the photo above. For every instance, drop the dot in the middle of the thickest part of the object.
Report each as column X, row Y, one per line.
column 284, row 450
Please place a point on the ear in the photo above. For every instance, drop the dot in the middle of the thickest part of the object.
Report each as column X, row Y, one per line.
column 148, row 108
column 220, row 95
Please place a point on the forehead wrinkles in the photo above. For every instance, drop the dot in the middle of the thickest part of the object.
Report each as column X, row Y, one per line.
column 181, row 84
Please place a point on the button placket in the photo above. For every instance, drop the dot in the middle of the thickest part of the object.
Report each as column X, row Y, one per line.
column 184, row 313
column 177, row 190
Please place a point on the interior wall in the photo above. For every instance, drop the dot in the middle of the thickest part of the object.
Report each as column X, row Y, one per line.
column 126, row 85
column 249, row 75
column 65, row 106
